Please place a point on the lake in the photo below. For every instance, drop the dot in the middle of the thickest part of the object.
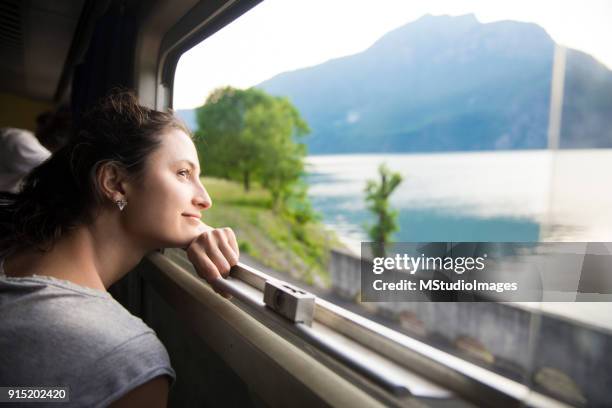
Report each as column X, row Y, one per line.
column 536, row 195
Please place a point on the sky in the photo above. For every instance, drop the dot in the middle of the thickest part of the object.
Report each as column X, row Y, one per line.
column 284, row 35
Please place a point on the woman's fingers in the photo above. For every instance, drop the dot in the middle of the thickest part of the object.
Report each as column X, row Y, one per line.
column 231, row 238
column 203, row 265
column 228, row 251
column 206, row 268
column 213, row 253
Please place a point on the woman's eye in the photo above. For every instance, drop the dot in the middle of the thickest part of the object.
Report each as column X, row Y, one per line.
column 184, row 173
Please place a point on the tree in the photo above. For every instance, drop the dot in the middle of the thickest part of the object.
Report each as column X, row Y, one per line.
column 273, row 126
column 377, row 197
column 220, row 138
column 249, row 135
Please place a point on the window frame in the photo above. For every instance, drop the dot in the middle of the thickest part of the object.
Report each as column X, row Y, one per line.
column 450, row 372
column 173, row 277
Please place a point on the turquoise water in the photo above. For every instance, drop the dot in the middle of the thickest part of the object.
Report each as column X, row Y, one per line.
column 484, row 196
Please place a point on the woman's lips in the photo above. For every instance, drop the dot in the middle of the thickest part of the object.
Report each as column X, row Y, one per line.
column 192, row 217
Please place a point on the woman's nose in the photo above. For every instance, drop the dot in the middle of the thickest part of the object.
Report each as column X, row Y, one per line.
column 202, row 200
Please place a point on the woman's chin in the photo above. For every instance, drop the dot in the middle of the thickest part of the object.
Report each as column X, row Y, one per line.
column 196, row 232
column 184, row 237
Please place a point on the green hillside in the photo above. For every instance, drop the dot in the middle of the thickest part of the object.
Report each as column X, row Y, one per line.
column 273, row 240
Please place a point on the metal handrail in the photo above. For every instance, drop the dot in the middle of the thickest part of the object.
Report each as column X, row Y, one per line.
column 385, row 381
column 449, row 371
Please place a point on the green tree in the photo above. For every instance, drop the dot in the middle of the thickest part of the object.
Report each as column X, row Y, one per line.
column 273, row 126
column 249, row 135
column 220, row 138
column 298, row 207
column 377, row 197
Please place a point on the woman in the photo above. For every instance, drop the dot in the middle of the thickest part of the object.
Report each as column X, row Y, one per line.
column 126, row 184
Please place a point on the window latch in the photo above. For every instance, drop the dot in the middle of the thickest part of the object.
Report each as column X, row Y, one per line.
column 289, row 301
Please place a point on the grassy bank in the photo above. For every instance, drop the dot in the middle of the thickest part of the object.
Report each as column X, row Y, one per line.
column 274, row 240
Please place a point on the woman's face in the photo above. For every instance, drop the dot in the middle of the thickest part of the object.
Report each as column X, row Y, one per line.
column 163, row 211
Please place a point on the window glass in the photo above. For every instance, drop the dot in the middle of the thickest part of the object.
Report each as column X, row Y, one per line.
column 495, row 114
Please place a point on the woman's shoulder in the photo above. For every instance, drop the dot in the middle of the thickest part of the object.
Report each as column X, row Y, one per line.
column 48, row 305
column 55, row 332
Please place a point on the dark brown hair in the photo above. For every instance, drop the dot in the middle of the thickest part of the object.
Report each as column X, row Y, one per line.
column 53, row 128
column 63, row 193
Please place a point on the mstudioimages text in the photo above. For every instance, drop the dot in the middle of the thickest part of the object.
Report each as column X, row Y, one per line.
column 440, row 285
column 411, row 264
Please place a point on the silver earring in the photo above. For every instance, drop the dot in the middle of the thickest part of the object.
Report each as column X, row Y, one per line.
column 121, row 204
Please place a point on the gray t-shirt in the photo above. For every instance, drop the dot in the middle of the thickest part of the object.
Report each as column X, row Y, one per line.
column 57, row 333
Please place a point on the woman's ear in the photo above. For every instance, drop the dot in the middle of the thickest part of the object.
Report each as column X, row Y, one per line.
column 112, row 178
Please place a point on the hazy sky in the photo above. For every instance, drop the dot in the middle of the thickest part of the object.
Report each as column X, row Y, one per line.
column 283, row 35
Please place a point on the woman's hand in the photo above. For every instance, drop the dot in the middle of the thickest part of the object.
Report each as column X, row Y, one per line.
column 213, row 253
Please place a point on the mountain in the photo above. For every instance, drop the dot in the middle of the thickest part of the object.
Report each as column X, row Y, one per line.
column 446, row 83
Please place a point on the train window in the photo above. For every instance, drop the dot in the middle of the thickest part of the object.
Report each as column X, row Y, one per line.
column 495, row 117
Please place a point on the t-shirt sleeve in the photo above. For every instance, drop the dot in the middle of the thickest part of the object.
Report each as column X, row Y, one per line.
column 128, row 366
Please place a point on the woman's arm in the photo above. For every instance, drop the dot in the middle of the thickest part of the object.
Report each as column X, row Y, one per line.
column 152, row 394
